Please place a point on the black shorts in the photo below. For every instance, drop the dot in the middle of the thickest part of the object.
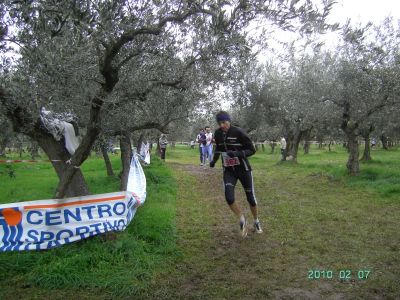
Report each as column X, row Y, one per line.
column 246, row 179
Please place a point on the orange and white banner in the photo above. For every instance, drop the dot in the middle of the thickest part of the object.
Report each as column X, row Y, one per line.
column 44, row 224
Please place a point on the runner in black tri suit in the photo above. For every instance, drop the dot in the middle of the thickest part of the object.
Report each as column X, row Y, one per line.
column 235, row 146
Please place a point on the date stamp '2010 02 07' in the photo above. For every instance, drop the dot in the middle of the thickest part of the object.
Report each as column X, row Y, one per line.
column 361, row 274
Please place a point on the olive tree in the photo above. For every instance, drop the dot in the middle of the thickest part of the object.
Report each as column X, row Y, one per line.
column 366, row 82
column 74, row 55
column 291, row 95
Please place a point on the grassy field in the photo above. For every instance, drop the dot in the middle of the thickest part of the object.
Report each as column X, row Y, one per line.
column 316, row 219
column 183, row 243
column 104, row 267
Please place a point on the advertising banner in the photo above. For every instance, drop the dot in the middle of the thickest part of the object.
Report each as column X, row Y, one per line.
column 44, row 224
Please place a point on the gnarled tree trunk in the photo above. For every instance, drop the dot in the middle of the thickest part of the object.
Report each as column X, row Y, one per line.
column 139, row 142
column 4, row 140
column 158, row 149
column 23, row 122
column 294, row 142
column 84, row 148
column 307, row 136
column 107, row 162
column 367, row 149
column 2, row 150
column 320, row 142
column 349, row 127
column 295, row 145
column 126, row 155
column 60, row 157
column 367, row 144
column 384, row 141
column 352, row 164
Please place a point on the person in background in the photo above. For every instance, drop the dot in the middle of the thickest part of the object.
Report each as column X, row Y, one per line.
column 283, row 148
column 208, row 146
column 163, row 145
column 201, row 139
column 373, row 143
column 235, row 147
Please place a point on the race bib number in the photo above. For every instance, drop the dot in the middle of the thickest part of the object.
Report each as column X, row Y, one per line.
column 230, row 161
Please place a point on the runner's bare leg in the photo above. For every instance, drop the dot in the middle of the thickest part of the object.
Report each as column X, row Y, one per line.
column 236, row 209
column 254, row 211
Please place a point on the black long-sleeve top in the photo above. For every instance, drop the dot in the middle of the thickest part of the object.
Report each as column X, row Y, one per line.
column 235, row 140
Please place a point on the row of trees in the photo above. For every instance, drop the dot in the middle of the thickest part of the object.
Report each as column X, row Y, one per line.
column 342, row 94
column 124, row 66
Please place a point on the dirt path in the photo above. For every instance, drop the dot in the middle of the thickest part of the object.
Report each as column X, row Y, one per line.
column 217, row 263
column 232, row 261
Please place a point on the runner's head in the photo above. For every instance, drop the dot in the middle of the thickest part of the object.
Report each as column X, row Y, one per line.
column 224, row 120
column 208, row 129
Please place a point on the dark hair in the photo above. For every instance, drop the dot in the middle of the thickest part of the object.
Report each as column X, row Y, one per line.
column 223, row 116
column 207, row 127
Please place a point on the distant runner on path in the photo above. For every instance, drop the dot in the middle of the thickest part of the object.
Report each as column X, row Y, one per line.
column 201, row 140
column 208, row 146
column 163, row 145
column 235, row 146
column 283, row 148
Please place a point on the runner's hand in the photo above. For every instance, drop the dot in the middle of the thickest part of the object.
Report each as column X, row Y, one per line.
column 212, row 164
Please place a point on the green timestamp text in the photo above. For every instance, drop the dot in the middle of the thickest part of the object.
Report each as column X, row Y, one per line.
column 346, row 274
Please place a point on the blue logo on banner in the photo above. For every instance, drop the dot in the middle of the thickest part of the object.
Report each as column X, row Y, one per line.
column 10, row 221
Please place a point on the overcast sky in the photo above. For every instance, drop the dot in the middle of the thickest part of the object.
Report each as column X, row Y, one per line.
column 358, row 11
column 365, row 10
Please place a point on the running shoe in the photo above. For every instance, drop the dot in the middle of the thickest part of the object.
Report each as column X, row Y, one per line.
column 243, row 228
column 257, row 227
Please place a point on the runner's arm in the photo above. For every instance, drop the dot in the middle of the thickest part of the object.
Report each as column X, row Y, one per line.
column 218, row 148
column 248, row 146
column 217, row 153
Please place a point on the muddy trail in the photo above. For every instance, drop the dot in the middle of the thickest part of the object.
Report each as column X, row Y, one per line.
column 217, row 263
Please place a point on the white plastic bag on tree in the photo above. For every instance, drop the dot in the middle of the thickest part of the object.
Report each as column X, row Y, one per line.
column 145, row 153
column 71, row 142
column 136, row 180
column 147, row 157
column 59, row 125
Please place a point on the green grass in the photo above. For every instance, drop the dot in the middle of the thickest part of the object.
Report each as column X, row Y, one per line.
column 113, row 265
column 381, row 175
column 315, row 215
